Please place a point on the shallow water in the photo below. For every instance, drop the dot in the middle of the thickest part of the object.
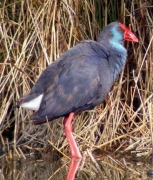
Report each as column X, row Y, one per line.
column 91, row 168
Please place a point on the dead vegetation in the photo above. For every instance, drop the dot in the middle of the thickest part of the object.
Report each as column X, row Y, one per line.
column 35, row 33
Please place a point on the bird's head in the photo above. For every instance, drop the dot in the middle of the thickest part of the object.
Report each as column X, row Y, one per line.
column 116, row 32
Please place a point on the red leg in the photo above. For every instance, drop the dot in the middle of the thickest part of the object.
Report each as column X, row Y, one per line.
column 73, row 168
column 75, row 153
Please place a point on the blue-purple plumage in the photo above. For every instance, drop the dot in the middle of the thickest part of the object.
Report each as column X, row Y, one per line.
column 81, row 78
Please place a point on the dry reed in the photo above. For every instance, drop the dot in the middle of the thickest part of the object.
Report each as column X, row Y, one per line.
column 35, row 33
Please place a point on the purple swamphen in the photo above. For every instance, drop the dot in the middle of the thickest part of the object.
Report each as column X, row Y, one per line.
column 79, row 80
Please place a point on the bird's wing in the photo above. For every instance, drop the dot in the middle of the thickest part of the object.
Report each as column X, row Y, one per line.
column 73, row 88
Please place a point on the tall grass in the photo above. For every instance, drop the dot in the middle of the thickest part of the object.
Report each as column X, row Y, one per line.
column 33, row 34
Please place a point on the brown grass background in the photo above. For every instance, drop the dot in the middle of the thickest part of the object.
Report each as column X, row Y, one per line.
column 33, row 34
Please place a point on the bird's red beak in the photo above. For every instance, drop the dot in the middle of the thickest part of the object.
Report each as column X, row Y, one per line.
column 128, row 35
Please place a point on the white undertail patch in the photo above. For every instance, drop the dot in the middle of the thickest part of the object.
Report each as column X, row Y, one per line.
column 34, row 104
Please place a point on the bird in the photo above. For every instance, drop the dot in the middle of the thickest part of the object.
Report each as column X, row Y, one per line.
column 79, row 80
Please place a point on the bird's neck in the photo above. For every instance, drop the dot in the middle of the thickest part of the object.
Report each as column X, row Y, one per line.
column 119, row 54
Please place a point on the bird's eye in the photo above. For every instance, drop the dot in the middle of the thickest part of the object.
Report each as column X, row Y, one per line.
column 120, row 29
